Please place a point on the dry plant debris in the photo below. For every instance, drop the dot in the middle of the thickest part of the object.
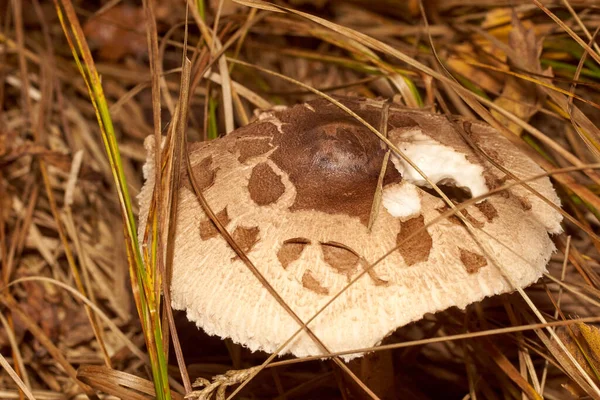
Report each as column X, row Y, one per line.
column 81, row 310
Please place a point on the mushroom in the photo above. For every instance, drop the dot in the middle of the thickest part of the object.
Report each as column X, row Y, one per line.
column 295, row 189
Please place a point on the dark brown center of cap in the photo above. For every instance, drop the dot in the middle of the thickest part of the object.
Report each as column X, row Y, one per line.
column 332, row 159
column 340, row 149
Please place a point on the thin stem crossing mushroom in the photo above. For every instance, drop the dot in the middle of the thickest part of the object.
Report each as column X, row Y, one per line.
column 296, row 191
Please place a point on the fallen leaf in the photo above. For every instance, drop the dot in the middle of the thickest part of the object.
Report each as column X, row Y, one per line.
column 583, row 342
column 459, row 62
column 520, row 97
column 118, row 32
column 42, row 312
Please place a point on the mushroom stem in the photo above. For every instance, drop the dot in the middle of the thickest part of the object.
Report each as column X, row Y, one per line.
column 376, row 370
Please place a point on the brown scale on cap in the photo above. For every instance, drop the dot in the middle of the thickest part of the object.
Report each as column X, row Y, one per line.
column 208, row 230
column 204, row 174
column 473, row 262
column 417, row 248
column 452, row 218
column 250, row 148
column 340, row 258
column 312, row 284
column 488, row 210
column 265, row 185
column 493, row 183
column 291, row 250
column 523, row 202
column 332, row 160
column 246, row 238
column 255, row 131
column 474, row 221
column 456, row 220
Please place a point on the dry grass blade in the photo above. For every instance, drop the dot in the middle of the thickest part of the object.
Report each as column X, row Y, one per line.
column 142, row 279
column 578, row 124
column 162, row 283
column 581, row 25
column 379, row 190
column 537, row 81
column 119, row 384
column 173, row 179
column 215, row 48
column 17, row 356
column 558, row 301
column 567, row 29
column 24, row 389
column 573, row 289
column 219, row 384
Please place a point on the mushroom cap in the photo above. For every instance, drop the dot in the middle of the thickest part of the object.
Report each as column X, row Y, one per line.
column 295, row 190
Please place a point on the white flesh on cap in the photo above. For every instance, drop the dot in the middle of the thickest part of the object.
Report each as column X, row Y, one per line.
column 295, row 244
column 402, row 200
column 441, row 164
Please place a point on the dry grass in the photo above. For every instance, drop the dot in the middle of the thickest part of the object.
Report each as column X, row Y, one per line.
column 81, row 307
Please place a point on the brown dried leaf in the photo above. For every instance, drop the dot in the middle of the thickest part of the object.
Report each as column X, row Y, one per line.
column 527, row 48
column 591, row 334
column 459, row 62
column 118, row 32
column 523, row 53
column 583, row 341
column 520, row 97
column 42, row 312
